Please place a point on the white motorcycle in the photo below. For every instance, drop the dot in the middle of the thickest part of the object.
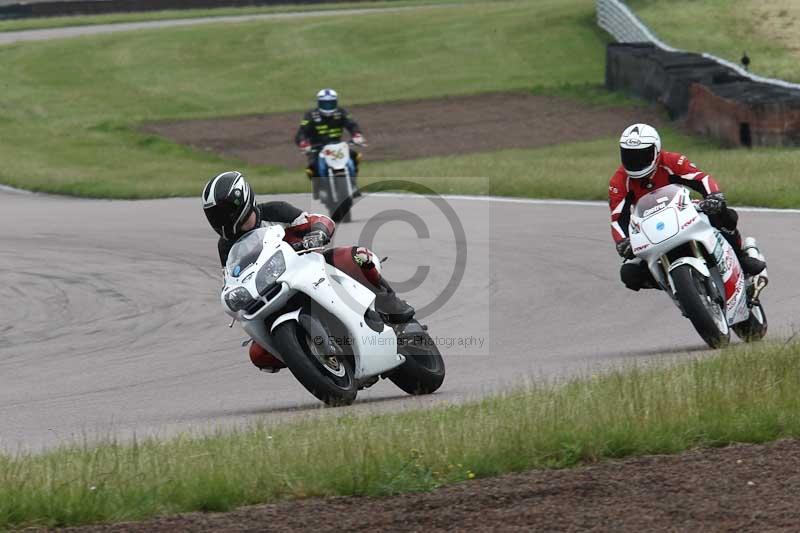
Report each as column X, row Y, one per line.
column 697, row 267
column 322, row 323
column 337, row 181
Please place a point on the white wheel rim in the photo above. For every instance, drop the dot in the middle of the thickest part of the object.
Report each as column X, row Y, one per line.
column 717, row 316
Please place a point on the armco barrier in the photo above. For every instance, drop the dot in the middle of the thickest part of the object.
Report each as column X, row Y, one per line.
column 718, row 98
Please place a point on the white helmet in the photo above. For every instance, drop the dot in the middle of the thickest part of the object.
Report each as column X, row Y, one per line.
column 639, row 147
column 327, row 101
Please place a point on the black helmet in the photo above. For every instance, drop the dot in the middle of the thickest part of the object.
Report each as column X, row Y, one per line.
column 228, row 202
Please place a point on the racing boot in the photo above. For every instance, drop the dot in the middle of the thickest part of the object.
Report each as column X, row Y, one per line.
column 749, row 256
column 390, row 306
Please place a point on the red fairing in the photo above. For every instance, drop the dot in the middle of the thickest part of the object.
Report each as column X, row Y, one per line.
column 262, row 358
column 306, row 223
column 672, row 167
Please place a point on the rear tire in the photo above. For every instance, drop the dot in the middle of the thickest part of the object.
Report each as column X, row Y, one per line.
column 706, row 315
column 423, row 371
column 330, row 379
column 755, row 327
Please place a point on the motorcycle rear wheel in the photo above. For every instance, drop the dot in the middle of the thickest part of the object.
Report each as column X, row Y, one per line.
column 329, row 379
column 755, row 327
column 706, row 315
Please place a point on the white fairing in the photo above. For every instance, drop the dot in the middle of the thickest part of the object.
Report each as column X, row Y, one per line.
column 330, row 288
column 666, row 219
column 336, row 155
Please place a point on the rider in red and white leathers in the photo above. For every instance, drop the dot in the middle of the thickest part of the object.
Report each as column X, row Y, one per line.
column 646, row 168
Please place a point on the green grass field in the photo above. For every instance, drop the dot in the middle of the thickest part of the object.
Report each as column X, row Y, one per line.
column 71, row 107
column 768, row 31
column 744, row 394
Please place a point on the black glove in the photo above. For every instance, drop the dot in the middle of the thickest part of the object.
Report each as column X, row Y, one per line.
column 624, row 249
column 312, row 239
column 713, row 204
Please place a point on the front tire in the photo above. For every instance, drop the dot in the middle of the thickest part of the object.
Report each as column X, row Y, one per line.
column 329, row 379
column 706, row 315
column 423, row 371
column 755, row 327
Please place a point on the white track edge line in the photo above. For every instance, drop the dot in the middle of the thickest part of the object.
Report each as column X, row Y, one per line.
column 457, row 197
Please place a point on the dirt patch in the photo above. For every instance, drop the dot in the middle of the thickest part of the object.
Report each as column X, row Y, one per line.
column 417, row 129
column 739, row 488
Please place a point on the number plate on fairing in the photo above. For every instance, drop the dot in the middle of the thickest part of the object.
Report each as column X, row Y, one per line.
column 662, row 226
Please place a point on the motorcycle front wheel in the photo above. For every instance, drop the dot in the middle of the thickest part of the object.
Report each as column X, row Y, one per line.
column 423, row 371
column 329, row 378
column 706, row 315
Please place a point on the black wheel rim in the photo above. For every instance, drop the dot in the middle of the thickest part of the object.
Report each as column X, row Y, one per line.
column 332, row 367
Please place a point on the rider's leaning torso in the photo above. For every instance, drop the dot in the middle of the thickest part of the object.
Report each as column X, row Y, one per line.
column 296, row 222
column 673, row 167
column 321, row 129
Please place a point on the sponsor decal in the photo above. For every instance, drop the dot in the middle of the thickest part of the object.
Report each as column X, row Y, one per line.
column 318, row 282
column 236, row 271
column 660, row 226
column 689, row 222
column 640, row 248
column 613, row 189
column 633, row 142
column 681, row 159
column 654, row 209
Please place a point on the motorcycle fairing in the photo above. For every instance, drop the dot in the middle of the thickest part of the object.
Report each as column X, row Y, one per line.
column 328, row 287
column 666, row 219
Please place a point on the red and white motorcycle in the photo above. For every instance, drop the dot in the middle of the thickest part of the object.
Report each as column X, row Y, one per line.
column 322, row 323
column 697, row 267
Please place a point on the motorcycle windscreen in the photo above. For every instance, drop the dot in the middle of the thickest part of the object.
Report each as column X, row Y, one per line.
column 246, row 251
column 653, row 202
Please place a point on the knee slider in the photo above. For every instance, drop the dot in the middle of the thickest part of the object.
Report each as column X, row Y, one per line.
column 632, row 276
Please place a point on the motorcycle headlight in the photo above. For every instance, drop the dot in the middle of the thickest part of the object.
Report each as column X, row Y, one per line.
column 270, row 272
column 238, row 299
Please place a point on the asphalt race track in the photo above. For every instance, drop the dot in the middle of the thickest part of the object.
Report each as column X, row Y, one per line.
column 111, row 323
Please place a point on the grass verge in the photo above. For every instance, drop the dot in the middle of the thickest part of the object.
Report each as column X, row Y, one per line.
column 767, row 31
column 580, row 171
column 173, row 14
column 744, row 394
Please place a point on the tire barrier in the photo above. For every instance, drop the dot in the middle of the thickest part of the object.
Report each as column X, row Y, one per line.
column 717, row 98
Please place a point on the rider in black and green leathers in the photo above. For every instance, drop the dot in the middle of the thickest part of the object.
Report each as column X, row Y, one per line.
column 323, row 125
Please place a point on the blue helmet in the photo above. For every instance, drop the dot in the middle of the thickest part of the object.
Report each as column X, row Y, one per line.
column 327, row 101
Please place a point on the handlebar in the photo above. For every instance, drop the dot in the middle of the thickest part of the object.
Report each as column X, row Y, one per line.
column 316, row 148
